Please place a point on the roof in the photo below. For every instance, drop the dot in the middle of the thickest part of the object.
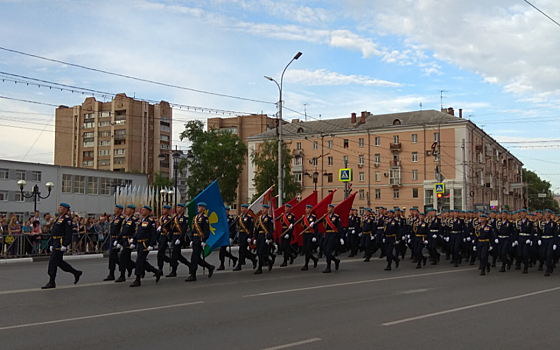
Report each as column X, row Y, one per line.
column 372, row 122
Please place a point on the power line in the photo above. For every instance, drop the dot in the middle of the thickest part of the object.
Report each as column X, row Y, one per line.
column 547, row 16
column 133, row 78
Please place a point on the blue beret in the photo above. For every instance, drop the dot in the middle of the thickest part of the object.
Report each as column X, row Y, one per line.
column 382, row 208
column 392, row 211
column 353, row 209
column 181, row 205
column 202, row 204
column 119, row 206
column 266, row 206
column 65, row 205
column 131, row 206
column 548, row 211
column 147, row 207
column 397, row 209
column 288, row 206
column 523, row 210
column 244, row 206
column 228, row 208
column 309, row 206
column 421, row 214
column 369, row 209
column 331, row 205
column 539, row 211
column 531, row 213
column 166, row 207
column 483, row 215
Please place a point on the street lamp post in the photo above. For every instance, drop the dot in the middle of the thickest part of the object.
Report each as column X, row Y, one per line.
column 280, row 163
column 315, row 179
column 176, row 155
column 35, row 193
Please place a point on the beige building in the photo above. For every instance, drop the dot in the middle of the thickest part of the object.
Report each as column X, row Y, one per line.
column 395, row 160
column 245, row 127
column 122, row 135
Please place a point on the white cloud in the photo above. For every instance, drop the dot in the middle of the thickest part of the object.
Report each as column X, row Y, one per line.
column 324, row 77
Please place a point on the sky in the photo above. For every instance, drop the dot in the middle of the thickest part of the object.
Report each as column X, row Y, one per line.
column 497, row 60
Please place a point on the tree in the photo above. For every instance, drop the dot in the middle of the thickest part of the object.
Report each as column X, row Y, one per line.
column 216, row 155
column 536, row 185
column 265, row 159
column 160, row 181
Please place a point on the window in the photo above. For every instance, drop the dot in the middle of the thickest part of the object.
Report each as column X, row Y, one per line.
column 104, row 143
column 104, row 152
column 36, row 176
column 396, row 139
column 19, row 197
column 88, row 154
column 298, row 177
column 298, row 161
column 395, row 193
column 345, row 143
column 120, row 151
column 329, row 177
column 298, row 146
column 89, row 116
column 457, row 199
column 414, row 156
column 66, row 183
column 164, row 138
column 377, row 141
column 330, row 160
column 103, row 162
column 377, row 194
column 360, row 142
column 123, row 160
column 92, row 187
column 361, row 194
column 4, row 174
column 429, row 197
column 88, row 134
column 120, row 121
column 105, row 123
column 104, row 114
column 361, row 159
column 362, row 176
column 377, row 176
column 4, row 196
column 232, row 130
column 89, row 144
column 414, row 174
column 361, row 211
column 414, row 138
column 164, row 128
column 377, row 158
column 414, row 193
column 329, row 144
column 105, row 186
column 436, row 136
column 314, row 161
column 315, row 145
column 79, row 184
column 88, row 125
column 164, row 146
column 20, row 174
column 87, row 163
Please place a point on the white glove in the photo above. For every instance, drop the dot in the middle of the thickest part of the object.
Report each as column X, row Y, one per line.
column 383, row 240
column 539, row 242
column 159, row 229
column 150, row 248
column 409, row 241
column 341, row 241
column 192, row 244
column 528, row 241
column 514, row 244
column 468, row 239
column 291, row 226
column 353, row 232
column 434, row 236
column 397, row 242
column 313, row 239
column 425, row 242
column 311, row 225
column 131, row 240
column 373, row 238
column 554, row 247
column 287, row 237
column 359, row 235
column 230, row 241
column 178, row 242
column 51, row 248
column 474, row 248
column 169, row 244
column 254, row 241
column 248, row 240
column 119, row 247
column 464, row 240
column 115, row 243
column 497, row 241
column 267, row 241
column 63, row 249
column 491, row 248
column 447, row 239
column 203, row 244
column 132, row 246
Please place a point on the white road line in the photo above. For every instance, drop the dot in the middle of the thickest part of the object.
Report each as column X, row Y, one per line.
column 49, row 290
column 354, row 283
column 469, row 307
column 312, row 340
column 98, row 316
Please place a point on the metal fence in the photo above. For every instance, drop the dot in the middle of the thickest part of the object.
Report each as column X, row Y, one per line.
column 24, row 245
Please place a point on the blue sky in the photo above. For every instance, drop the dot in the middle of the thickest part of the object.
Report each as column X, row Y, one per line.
column 497, row 60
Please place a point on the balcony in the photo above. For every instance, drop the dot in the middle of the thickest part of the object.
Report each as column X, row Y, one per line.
column 395, row 164
column 395, row 147
column 395, row 179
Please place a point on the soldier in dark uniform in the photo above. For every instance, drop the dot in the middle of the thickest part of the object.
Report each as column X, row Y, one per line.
column 310, row 233
column 114, row 245
column 163, row 231
column 287, row 219
column 354, row 232
column 128, row 228
column 224, row 253
column 368, row 230
column 333, row 232
column 434, row 224
column 381, row 216
column 455, row 225
column 390, row 238
column 264, row 235
column 483, row 235
column 178, row 231
column 245, row 225
column 61, row 238
column 547, row 241
column 201, row 232
column 145, row 238
column 504, row 236
column 420, row 233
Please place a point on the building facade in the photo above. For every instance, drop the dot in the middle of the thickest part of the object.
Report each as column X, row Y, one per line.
column 122, row 135
column 88, row 191
column 396, row 159
column 245, row 127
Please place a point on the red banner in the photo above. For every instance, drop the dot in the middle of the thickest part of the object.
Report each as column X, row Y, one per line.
column 321, row 209
column 299, row 210
column 278, row 214
column 343, row 209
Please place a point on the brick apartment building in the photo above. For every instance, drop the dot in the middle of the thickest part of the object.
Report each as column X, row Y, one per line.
column 122, row 135
column 395, row 160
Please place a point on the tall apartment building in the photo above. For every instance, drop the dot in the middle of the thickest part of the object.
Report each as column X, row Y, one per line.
column 122, row 135
column 395, row 160
column 244, row 126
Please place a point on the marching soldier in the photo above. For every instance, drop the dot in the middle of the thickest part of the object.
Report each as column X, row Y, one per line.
column 434, row 224
column 128, row 228
column 264, row 235
column 180, row 229
column 390, row 238
column 224, row 253
column 114, row 246
column 354, row 232
column 287, row 220
column 455, row 225
column 484, row 233
column 547, row 241
column 245, row 226
column 163, row 230
column 369, row 228
column 145, row 239
column 420, row 232
column 200, row 234
column 503, row 240
column 333, row 231
column 61, row 238
column 310, row 231
column 381, row 217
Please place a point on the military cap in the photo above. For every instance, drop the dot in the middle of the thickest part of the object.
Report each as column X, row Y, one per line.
column 228, row 208
column 65, row 205
column 131, row 206
column 382, row 208
column 309, row 206
column 181, row 205
column 202, row 204
column 420, row 213
column 244, row 206
column 483, row 215
column 331, row 205
column 167, row 206
column 147, row 207
column 264, row 206
column 119, row 206
column 289, row 206
column 392, row 211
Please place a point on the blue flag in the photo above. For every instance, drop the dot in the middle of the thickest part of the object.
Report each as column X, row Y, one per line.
column 217, row 218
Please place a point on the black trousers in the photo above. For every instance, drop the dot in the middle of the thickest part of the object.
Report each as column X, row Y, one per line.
column 379, row 242
column 523, row 251
column 455, row 242
column 125, row 261
column 285, row 246
column 483, row 249
column 504, row 246
column 113, row 256
column 370, row 245
column 162, row 247
column 177, row 257
column 390, row 247
column 243, row 249
column 547, row 253
column 418, row 247
column 142, row 263
column 56, row 260
column 262, row 250
column 196, row 260
column 354, row 240
column 225, row 253
column 308, row 247
column 329, row 241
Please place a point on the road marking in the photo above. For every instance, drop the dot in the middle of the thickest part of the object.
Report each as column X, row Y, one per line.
column 98, row 316
column 48, row 290
column 413, row 291
column 354, row 283
column 312, row 340
column 469, row 307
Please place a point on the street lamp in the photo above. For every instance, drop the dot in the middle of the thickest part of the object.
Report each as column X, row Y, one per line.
column 35, row 193
column 176, row 155
column 280, row 165
column 315, row 179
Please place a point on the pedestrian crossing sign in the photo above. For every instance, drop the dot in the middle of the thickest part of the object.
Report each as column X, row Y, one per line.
column 439, row 188
column 345, row 175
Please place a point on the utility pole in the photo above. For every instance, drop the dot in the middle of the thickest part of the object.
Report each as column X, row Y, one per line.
column 441, row 97
column 305, row 110
column 346, row 183
column 465, row 189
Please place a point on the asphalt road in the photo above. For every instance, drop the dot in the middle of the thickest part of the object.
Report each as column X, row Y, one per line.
column 359, row 307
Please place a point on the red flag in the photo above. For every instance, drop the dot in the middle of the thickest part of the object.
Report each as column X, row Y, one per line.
column 321, row 209
column 299, row 210
column 343, row 209
column 279, row 211
column 278, row 214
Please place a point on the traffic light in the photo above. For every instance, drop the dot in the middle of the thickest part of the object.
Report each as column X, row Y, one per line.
column 440, row 201
column 439, row 195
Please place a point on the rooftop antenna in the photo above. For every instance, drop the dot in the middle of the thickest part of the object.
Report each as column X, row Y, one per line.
column 319, row 117
column 420, row 105
column 305, row 110
column 441, row 97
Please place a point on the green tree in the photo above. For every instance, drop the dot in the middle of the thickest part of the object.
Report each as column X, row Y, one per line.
column 216, row 156
column 265, row 159
column 536, row 185
column 160, row 181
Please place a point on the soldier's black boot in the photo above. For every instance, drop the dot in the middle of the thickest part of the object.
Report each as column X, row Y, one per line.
column 503, row 269
column 397, row 261
column 136, row 282
column 77, row 275
column 111, row 276
column 540, row 267
column 285, row 263
column 305, row 268
column 237, row 268
column 191, row 278
column 336, row 264
column 211, row 271
column 388, row 268
column 292, row 259
column 234, row 261
column 258, row 271
column 328, row 269
column 50, row 285
column 173, row 273
column 424, row 259
column 419, row 266
column 315, row 262
column 547, row 273
column 221, row 267
column 121, row 278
